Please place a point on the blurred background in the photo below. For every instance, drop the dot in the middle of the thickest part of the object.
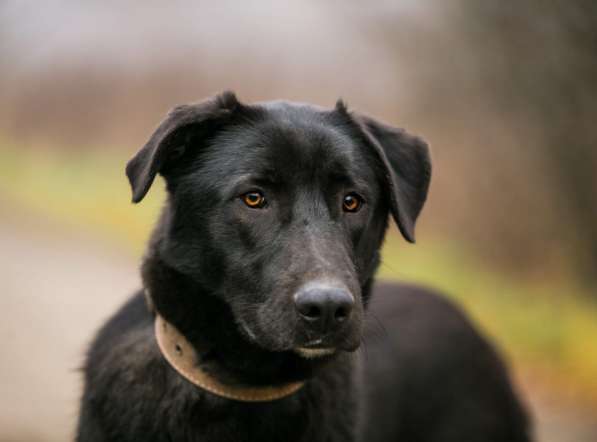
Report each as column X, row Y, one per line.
column 505, row 92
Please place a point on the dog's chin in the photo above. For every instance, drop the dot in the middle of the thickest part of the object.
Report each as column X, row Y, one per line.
column 311, row 350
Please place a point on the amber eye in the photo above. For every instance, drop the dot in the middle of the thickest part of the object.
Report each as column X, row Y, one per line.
column 254, row 200
column 352, row 202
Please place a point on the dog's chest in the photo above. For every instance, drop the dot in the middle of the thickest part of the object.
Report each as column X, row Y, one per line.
column 312, row 416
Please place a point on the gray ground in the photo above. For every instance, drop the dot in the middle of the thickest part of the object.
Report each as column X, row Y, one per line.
column 47, row 320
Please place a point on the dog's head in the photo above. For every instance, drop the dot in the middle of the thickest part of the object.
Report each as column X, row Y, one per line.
column 279, row 210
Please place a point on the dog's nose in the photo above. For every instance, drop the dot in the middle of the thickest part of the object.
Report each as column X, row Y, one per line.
column 323, row 306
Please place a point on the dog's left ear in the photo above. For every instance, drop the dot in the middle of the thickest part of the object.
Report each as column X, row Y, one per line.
column 407, row 164
column 184, row 126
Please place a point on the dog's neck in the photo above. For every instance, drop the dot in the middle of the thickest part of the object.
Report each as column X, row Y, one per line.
column 208, row 325
column 181, row 355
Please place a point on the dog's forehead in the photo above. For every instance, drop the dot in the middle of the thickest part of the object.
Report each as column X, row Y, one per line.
column 289, row 140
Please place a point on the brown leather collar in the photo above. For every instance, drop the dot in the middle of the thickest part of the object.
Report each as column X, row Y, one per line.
column 183, row 358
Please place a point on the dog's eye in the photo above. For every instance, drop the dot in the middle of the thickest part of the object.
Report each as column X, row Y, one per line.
column 352, row 203
column 254, row 200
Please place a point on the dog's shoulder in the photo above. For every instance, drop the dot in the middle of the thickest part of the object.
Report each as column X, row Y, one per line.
column 123, row 363
column 129, row 328
column 129, row 386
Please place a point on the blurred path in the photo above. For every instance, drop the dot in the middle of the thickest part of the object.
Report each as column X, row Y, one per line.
column 557, row 423
column 56, row 289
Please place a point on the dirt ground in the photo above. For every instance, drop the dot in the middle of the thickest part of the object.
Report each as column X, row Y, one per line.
column 57, row 287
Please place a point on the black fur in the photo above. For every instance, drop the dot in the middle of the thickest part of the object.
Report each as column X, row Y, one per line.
column 225, row 275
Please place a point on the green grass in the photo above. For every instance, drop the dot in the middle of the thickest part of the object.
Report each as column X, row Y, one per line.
column 82, row 189
column 549, row 328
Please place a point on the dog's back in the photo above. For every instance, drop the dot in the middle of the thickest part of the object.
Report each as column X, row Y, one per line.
column 430, row 376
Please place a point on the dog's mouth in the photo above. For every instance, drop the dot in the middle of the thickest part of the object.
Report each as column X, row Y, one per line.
column 309, row 350
column 315, row 349
column 312, row 353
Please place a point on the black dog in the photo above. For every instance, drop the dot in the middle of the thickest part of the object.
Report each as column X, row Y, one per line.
column 261, row 269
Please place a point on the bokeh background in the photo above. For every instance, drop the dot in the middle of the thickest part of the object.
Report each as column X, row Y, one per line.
column 505, row 92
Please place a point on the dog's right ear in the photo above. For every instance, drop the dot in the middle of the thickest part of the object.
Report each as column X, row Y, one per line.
column 172, row 137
